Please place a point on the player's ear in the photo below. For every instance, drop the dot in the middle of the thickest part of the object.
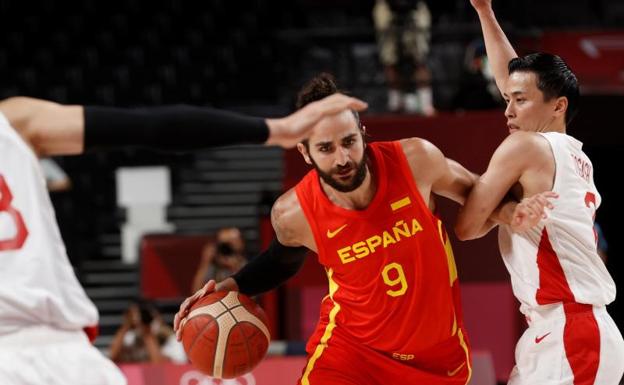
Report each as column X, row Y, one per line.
column 304, row 151
column 363, row 129
column 561, row 106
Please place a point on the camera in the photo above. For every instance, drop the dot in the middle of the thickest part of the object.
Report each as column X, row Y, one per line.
column 224, row 248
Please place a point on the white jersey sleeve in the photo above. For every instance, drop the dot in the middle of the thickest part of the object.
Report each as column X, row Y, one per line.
column 558, row 261
column 37, row 282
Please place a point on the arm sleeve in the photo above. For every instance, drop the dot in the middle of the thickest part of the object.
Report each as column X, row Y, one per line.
column 175, row 128
column 270, row 269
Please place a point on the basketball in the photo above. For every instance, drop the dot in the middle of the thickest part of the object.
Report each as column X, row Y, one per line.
column 225, row 334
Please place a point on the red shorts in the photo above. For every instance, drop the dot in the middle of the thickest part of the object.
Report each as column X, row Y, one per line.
column 342, row 362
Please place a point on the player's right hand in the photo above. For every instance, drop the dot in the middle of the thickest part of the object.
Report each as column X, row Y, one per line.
column 530, row 211
column 294, row 128
column 208, row 288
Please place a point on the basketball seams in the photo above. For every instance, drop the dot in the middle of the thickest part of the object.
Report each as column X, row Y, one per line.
column 209, row 310
column 204, row 311
column 229, row 312
column 245, row 316
column 200, row 333
column 246, row 339
column 257, row 316
column 231, row 299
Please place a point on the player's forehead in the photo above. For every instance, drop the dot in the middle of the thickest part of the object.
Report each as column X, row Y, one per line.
column 335, row 128
column 521, row 82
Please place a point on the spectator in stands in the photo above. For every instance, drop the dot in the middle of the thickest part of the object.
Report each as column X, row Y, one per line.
column 145, row 337
column 403, row 29
column 477, row 87
column 222, row 258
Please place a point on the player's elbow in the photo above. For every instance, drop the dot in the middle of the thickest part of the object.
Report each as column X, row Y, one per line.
column 464, row 230
column 465, row 235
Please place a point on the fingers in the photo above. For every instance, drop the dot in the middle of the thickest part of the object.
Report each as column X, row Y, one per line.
column 540, row 202
column 355, row 104
column 523, row 223
column 209, row 287
column 292, row 129
column 535, row 208
column 337, row 103
column 178, row 331
column 530, row 211
column 180, row 317
column 549, row 196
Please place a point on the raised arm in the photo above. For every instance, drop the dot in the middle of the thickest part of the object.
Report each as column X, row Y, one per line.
column 499, row 49
column 54, row 129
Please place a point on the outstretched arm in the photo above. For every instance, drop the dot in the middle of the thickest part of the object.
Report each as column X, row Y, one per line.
column 49, row 128
column 434, row 173
column 446, row 177
column 456, row 182
column 499, row 49
column 54, row 129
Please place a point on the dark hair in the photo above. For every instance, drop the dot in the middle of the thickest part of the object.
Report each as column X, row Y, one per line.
column 317, row 88
column 554, row 78
column 322, row 85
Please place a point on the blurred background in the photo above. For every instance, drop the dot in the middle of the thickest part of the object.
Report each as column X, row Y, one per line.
column 252, row 56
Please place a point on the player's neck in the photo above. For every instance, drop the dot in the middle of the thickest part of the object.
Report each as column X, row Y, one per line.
column 357, row 199
column 555, row 126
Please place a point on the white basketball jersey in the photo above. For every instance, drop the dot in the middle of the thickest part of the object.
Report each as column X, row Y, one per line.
column 37, row 282
column 558, row 261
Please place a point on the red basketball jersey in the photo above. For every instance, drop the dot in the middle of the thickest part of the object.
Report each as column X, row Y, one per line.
column 392, row 276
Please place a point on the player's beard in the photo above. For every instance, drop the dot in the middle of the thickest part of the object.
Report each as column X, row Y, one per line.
column 332, row 179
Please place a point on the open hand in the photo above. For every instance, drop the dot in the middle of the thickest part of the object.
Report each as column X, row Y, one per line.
column 530, row 211
column 294, row 128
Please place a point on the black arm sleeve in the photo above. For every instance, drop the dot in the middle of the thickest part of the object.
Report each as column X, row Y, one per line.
column 270, row 269
column 174, row 128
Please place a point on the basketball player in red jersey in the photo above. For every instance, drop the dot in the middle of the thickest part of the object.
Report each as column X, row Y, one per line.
column 556, row 272
column 392, row 315
column 43, row 308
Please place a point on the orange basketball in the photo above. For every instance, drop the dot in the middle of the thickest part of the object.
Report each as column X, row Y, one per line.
column 225, row 334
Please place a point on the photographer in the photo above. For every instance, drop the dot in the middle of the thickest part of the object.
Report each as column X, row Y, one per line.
column 221, row 259
column 145, row 337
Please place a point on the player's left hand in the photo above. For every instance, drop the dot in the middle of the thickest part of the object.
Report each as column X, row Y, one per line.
column 530, row 211
column 292, row 129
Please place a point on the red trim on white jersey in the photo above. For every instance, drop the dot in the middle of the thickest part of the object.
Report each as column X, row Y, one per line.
column 581, row 338
column 553, row 285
